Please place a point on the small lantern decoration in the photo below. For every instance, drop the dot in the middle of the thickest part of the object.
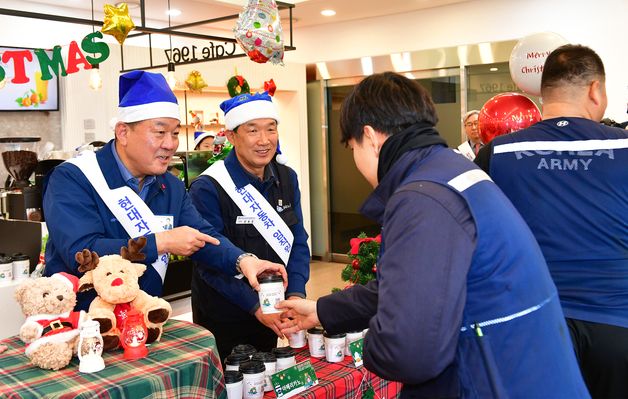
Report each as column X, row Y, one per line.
column 134, row 334
column 90, row 347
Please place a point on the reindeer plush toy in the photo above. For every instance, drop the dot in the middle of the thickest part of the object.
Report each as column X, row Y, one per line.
column 115, row 279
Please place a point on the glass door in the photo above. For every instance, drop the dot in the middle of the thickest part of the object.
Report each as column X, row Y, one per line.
column 347, row 188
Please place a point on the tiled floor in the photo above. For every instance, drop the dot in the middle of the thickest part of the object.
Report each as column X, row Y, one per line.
column 323, row 277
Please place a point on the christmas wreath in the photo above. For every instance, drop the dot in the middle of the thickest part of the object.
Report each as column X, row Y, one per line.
column 237, row 85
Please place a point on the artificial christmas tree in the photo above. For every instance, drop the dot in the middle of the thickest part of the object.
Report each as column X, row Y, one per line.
column 363, row 254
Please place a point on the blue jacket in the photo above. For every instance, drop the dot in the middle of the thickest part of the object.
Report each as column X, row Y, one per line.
column 576, row 204
column 456, row 254
column 205, row 197
column 77, row 218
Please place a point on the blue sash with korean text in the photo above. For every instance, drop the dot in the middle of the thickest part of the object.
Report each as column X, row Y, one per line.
column 253, row 204
column 132, row 213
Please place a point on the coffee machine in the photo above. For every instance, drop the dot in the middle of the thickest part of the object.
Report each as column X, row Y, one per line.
column 20, row 199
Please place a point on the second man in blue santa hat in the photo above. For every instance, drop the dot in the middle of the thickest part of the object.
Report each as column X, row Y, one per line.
column 255, row 202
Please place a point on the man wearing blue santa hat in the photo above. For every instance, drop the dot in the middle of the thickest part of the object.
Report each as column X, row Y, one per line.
column 254, row 200
column 99, row 201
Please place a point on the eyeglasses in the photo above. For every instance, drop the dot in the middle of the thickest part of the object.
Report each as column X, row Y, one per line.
column 469, row 124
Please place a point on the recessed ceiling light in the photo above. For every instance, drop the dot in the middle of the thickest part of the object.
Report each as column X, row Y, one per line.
column 328, row 13
column 173, row 12
column 494, row 69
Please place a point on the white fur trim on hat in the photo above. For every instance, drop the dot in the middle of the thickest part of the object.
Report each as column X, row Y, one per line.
column 250, row 110
column 142, row 112
column 69, row 280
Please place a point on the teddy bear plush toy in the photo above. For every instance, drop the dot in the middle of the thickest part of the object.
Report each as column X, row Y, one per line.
column 116, row 281
column 51, row 327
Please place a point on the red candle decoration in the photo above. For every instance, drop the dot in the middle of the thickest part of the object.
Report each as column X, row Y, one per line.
column 134, row 336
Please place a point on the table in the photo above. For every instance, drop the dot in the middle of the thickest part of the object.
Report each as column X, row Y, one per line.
column 184, row 364
column 342, row 380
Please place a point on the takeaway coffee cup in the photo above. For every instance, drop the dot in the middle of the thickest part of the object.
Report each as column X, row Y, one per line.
column 334, row 347
column 233, row 361
column 21, row 265
column 316, row 342
column 297, row 339
column 253, row 382
column 270, row 292
column 270, row 362
column 6, row 269
column 233, row 382
column 247, row 349
column 285, row 357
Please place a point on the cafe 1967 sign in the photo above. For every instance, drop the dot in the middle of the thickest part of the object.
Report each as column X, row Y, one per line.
column 195, row 53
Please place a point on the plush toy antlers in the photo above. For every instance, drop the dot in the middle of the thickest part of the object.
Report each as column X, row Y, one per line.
column 132, row 253
column 89, row 260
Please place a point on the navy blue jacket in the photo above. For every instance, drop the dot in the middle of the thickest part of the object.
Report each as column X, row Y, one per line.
column 77, row 218
column 576, row 204
column 454, row 255
column 205, row 197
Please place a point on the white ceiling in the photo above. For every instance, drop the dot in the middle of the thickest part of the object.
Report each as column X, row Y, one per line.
column 306, row 12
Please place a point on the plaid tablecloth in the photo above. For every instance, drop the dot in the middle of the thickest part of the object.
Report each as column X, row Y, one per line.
column 342, row 380
column 183, row 365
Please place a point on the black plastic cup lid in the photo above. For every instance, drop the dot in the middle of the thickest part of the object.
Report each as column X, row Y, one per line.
column 252, row 367
column 5, row 259
column 244, row 348
column 20, row 139
column 315, row 330
column 283, row 352
column 327, row 335
column 270, row 278
column 20, row 256
column 235, row 359
column 265, row 357
column 232, row 376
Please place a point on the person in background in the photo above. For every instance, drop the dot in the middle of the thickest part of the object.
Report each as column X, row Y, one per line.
column 204, row 141
column 472, row 145
column 98, row 201
column 269, row 201
column 568, row 177
column 463, row 305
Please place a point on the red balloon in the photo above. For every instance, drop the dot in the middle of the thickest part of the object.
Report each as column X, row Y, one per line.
column 506, row 113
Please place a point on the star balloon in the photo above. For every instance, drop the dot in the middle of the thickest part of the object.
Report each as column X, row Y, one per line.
column 117, row 22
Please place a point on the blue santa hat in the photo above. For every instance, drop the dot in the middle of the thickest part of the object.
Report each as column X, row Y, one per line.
column 281, row 158
column 199, row 136
column 246, row 107
column 146, row 95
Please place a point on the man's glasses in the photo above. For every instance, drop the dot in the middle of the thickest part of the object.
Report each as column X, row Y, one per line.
column 469, row 124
